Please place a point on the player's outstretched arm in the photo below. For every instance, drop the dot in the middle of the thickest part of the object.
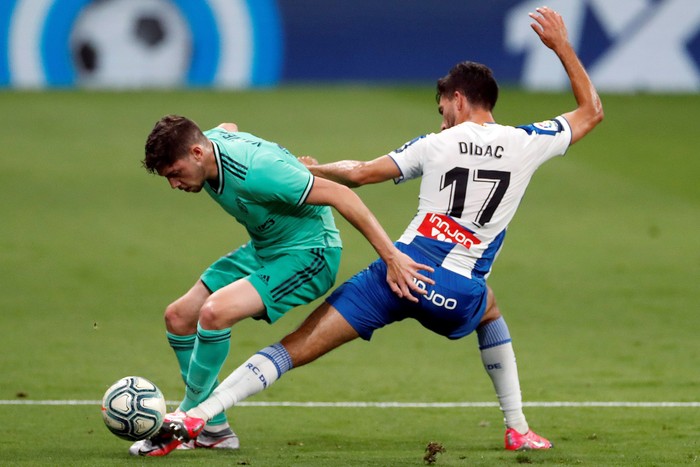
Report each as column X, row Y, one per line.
column 354, row 173
column 401, row 269
column 551, row 29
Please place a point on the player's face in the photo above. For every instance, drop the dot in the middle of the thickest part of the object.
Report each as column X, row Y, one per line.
column 448, row 110
column 186, row 174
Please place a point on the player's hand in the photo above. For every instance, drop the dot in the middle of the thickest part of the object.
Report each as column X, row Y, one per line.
column 550, row 27
column 400, row 275
column 308, row 161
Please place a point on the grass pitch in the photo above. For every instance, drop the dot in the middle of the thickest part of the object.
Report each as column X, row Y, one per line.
column 597, row 280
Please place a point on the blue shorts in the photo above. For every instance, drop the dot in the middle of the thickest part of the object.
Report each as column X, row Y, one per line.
column 453, row 307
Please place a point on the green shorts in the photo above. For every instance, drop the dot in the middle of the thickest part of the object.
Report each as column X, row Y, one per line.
column 283, row 282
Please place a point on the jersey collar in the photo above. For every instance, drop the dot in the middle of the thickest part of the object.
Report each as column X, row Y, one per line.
column 219, row 188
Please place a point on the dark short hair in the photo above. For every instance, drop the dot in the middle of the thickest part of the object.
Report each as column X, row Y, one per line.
column 472, row 79
column 170, row 140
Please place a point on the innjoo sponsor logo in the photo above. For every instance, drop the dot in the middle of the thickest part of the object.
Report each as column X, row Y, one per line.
column 443, row 228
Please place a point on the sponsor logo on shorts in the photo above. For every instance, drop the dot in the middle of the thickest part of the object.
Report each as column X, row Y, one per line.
column 443, row 228
column 436, row 298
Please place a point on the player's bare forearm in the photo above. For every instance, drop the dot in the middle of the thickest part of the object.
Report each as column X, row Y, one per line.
column 401, row 269
column 551, row 29
column 342, row 172
column 590, row 109
column 354, row 173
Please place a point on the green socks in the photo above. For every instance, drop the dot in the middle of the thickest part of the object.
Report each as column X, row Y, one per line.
column 183, row 346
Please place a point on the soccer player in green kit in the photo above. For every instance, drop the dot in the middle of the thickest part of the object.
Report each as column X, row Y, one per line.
column 292, row 257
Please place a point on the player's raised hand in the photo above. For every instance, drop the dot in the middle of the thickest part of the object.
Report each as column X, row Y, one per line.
column 400, row 274
column 550, row 26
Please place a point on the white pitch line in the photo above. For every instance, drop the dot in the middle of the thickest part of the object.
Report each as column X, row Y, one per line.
column 391, row 405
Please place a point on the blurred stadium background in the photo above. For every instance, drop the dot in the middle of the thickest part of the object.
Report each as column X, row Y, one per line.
column 627, row 45
column 598, row 275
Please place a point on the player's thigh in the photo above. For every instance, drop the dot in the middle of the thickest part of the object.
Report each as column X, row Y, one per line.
column 294, row 279
column 366, row 302
column 322, row 331
column 231, row 304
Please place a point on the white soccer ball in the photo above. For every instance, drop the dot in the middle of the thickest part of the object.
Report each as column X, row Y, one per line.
column 133, row 408
column 131, row 44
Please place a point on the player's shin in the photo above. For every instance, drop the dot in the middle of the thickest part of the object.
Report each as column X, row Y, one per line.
column 498, row 358
column 252, row 377
column 182, row 346
column 208, row 357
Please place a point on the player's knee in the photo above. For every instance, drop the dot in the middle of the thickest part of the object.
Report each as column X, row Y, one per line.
column 212, row 316
column 492, row 312
column 178, row 321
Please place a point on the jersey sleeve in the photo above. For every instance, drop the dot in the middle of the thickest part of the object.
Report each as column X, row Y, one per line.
column 410, row 158
column 547, row 139
column 277, row 180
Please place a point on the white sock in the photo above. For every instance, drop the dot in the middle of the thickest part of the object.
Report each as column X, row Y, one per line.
column 253, row 376
column 499, row 362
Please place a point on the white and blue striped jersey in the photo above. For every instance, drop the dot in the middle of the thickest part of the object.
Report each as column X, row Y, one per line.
column 473, row 178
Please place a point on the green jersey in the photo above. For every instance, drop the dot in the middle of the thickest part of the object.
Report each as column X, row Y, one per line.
column 264, row 187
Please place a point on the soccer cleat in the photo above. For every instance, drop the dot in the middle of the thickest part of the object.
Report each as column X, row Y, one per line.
column 186, row 446
column 530, row 440
column 177, row 429
column 182, row 427
column 161, row 444
column 225, row 439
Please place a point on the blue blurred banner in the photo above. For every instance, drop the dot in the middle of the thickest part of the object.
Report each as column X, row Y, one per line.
column 626, row 45
column 139, row 43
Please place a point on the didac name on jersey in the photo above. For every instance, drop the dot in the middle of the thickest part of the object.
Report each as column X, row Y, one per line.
column 471, row 149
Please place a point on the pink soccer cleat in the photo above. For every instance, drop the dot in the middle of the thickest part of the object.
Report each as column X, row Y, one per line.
column 183, row 427
column 530, row 440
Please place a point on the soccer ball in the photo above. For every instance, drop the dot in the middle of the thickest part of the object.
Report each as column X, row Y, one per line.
column 131, row 44
column 133, row 408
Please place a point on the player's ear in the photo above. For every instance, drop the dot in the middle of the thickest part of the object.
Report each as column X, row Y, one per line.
column 459, row 100
column 197, row 151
